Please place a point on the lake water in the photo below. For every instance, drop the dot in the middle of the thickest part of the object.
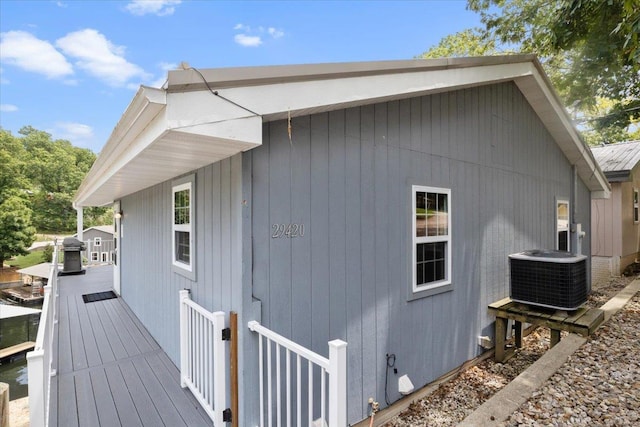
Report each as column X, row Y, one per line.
column 13, row 331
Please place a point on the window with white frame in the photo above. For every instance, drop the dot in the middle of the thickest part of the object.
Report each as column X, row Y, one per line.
column 182, row 225
column 431, row 209
column 94, row 256
column 97, row 241
column 562, row 225
column 636, row 205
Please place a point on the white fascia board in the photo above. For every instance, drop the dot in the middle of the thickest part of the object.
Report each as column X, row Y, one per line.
column 275, row 101
column 245, row 132
column 139, row 153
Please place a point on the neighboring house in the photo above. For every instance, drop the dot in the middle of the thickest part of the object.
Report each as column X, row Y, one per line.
column 99, row 244
column 372, row 202
column 615, row 222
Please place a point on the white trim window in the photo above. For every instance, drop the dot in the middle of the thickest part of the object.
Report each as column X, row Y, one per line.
column 636, row 205
column 182, row 225
column 562, row 226
column 431, row 237
column 94, row 256
column 97, row 241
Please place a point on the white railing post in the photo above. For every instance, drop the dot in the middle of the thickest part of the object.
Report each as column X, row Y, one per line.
column 184, row 351
column 337, row 383
column 219, row 367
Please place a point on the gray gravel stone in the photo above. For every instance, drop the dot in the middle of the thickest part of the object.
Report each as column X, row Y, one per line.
column 598, row 385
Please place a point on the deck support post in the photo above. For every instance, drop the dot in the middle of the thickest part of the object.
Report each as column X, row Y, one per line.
column 518, row 327
column 555, row 337
column 501, row 332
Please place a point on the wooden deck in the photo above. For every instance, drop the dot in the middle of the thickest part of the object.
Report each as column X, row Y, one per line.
column 583, row 321
column 110, row 371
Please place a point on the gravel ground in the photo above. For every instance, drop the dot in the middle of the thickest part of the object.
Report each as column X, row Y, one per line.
column 597, row 386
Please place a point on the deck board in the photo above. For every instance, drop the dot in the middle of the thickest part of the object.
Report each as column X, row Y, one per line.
column 64, row 338
column 143, row 403
column 111, row 372
column 127, row 412
column 89, row 339
column 157, row 393
column 87, row 411
column 67, row 410
column 106, row 407
column 104, row 348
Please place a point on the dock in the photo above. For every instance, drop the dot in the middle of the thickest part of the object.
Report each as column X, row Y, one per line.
column 23, row 295
column 583, row 321
column 15, row 350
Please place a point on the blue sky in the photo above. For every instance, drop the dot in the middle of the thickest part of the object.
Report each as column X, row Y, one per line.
column 72, row 67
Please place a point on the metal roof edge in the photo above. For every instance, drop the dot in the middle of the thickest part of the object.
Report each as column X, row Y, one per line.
column 216, row 78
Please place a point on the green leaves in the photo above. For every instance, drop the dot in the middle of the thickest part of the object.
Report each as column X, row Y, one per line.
column 589, row 48
column 470, row 42
column 38, row 179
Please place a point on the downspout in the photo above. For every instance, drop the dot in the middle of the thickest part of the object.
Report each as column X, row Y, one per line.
column 79, row 221
column 576, row 228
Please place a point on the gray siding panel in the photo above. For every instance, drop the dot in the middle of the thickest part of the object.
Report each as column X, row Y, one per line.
column 148, row 284
column 347, row 177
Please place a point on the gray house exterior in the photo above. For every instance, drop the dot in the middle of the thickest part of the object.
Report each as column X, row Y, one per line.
column 371, row 202
column 99, row 247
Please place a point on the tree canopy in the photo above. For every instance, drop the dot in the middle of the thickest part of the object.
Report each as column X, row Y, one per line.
column 589, row 49
column 38, row 178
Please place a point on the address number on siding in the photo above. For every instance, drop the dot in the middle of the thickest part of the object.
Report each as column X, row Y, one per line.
column 288, row 231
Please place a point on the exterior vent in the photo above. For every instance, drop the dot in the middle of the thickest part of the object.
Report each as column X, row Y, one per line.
column 548, row 278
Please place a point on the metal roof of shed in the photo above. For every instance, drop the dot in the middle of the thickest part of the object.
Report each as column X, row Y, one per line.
column 203, row 116
column 618, row 160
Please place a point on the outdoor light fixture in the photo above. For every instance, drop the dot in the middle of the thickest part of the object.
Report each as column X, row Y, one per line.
column 118, row 215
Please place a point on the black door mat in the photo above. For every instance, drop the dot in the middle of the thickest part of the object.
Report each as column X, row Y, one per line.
column 98, row 296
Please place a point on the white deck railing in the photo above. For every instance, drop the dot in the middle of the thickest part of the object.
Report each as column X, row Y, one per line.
column 40, row 360
column 203, row 358
column 335, row 368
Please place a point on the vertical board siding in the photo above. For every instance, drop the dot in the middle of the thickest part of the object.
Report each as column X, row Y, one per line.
column 347, row 176
column 149, row 286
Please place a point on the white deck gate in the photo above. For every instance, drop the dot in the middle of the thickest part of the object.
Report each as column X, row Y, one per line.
column 203, row 361
column 329, row 399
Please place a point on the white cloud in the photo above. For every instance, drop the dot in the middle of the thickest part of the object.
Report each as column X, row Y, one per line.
column 77, row 133
column 164, row 66
column 8, row 108
column 99, row 57
column 248, row 41
column 275, row 33
column 156, row 7
column 25, row 51
column 61, row 4
column 167, row 66
column 253, row 37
